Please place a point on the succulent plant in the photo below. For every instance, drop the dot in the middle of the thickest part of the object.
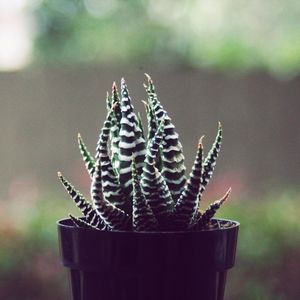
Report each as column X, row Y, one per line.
column 138, row 183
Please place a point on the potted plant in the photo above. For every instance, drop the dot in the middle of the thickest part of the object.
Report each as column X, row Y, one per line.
column 143, row 235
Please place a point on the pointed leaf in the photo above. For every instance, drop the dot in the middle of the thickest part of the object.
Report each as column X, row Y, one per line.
column 81, row 223
column 152, row 124
column 172, row 158
column 188, row 203
column 210, row 160
column 211, row 210
column 140, row 125
column 112, row 216
column 86, row 208
column 116, row 101
column 131, row 144
column 86, row 156
column 110, row 183
column 143, row 217
column 115, row 129
column 153, row 184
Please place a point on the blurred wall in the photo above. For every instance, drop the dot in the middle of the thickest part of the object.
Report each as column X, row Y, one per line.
column 42, row 110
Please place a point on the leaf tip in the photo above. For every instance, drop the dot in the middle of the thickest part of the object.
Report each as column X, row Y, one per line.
column 200, row 143
column 226, row 196
column 148, row 77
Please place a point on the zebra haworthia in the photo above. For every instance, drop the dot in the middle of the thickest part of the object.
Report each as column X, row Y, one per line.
column 112, row 216
column 86, row 156
column 82, row 223
column 172, row 152
column 138, row 178
column 109, row 181
column 132, row 143
column 115, row 128
column 86, row 208
column 210, row 160
column 153, row 184
column 212, row 209
column 143, row 218
column 188, row 202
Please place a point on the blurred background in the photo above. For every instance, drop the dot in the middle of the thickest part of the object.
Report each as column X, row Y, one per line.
column 228, row 60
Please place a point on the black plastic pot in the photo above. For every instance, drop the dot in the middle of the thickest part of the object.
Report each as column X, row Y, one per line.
column 120, row 265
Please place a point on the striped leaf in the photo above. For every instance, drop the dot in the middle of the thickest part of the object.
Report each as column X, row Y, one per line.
column 210, row 160
column 143, row 218
column 140, row 125
column 152, row 128
column 112, row 216
column 153, row 185
column 109, row 181
column 187, row 205
column 115, row 129
column 86, row 208
column 116, row 101
column 86, row 156
column 211, row 210
column 132, row 143
column 172, row 152
column 81, row 223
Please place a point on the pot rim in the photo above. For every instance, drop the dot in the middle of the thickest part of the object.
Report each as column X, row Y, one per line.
column 234, row 224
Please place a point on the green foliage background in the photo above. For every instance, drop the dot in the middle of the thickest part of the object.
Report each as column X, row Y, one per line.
column 227, row 35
